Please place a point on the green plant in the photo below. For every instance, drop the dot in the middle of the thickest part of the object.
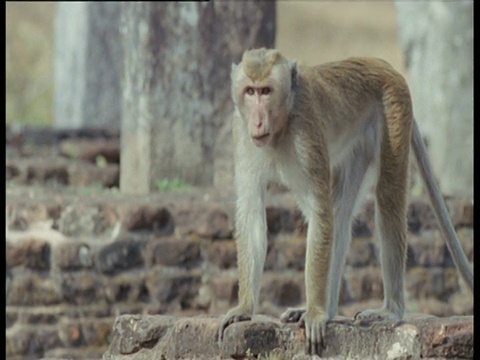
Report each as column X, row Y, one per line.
column 101, row 162
column 71, row 150
column 166, row 184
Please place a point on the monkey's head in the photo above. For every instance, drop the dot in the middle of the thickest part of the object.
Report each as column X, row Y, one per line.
column 263, row 92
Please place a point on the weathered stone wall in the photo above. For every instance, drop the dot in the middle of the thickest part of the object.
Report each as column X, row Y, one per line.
column 78, row 257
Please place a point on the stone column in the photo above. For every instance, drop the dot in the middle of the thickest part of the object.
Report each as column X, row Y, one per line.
column 176, row 85
column 438, row 40
column 88, row 62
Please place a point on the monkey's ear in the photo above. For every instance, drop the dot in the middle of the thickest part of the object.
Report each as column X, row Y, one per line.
column 294, row 74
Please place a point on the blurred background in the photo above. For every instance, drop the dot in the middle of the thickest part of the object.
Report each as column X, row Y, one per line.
column 29, row 62
column 312, row 31
column 66, row 68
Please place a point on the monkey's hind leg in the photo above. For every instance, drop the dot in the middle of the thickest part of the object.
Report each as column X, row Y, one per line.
column 391, row 222
column 392, row 259
column 348, row 190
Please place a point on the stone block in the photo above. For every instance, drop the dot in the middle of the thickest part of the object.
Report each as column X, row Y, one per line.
column 420, row 215
column 38, row 173
column 128, row 287
column 81, row 219
column 364, row 283
column 31, row 253
column 21, row 216
column 258, row 337
column 150, row 218
column 86, row 174
column 17, row 341
column 120, row 256
column 70, row 333
column 279, row 219
column 428, row 249
column 174, row 288
column 174, row 252
column 97, row 332
column 223, row 254
column 361, row 253
column 434, row 282
column 82, row 287
column 290, row 253
column 31, row 289
column 165, row 337
column 30, row 342
column 212, row 223
column 225, row 287
column 283, row 289
column 71, row 255
column 364, row 223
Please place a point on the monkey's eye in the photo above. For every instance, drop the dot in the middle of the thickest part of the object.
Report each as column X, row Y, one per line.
column 266, row 90
column 249, row 91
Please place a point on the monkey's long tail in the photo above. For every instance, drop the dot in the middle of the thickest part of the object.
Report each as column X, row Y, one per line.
column 439, row 207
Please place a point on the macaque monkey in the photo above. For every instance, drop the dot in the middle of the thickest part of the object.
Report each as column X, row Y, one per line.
column 327, row 132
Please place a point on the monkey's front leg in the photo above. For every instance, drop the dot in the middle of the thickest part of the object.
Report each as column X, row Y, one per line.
column 319, row 242
column 251, row 235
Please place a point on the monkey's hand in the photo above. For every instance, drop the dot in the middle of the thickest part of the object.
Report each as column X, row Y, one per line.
column 315, row 330
column 234, row 315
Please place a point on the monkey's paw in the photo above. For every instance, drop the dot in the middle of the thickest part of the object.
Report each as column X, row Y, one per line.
column 367, row 317
column 292, row 315
column 234, row 315
column 315, row 331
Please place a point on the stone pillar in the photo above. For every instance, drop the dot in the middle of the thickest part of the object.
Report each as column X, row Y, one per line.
column 87, row 65
column 438, row 40
column 176, row 84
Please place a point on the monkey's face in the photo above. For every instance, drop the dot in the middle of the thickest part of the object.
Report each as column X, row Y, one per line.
column 263, row 103
column 257, row 112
